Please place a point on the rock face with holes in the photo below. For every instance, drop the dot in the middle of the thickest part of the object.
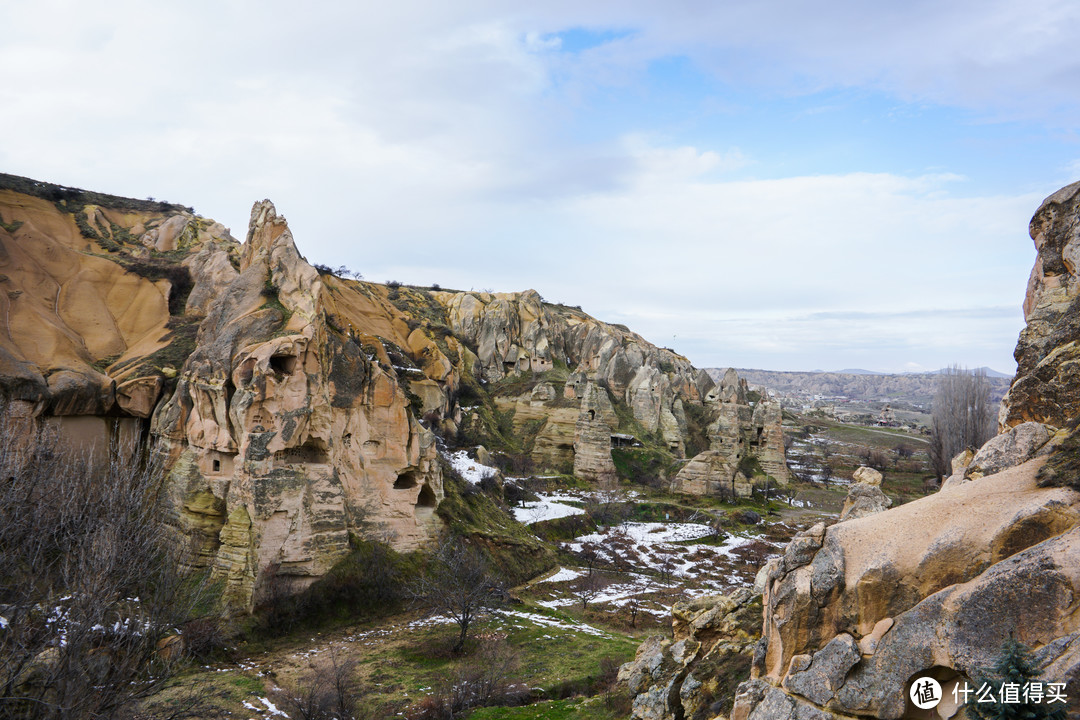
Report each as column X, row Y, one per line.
column 592, row 444
column 294, row 407
column 652, row 387
column 746, row 444
column 283, row 436
column 854, row 612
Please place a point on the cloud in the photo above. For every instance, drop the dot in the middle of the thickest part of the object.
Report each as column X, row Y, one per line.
column 477, row 144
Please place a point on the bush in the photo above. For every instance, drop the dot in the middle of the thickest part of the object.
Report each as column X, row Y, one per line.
column 91, row 579
column 369, row 582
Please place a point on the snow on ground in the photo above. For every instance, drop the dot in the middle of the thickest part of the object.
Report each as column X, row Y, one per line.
column 653, row 546
column 653, row 532
column 546, row 507
column 271, row 708
column 553, row 623
column 470, row 470
column 564, row 575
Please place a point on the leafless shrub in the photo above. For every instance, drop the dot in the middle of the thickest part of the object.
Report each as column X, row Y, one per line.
column 587, row 588
column 91, row 584
column 459, row 585
column 479, row 681
column 877, row 459
column 329, row 692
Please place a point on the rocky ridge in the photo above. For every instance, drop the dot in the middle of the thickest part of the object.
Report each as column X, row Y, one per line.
column 294, row 407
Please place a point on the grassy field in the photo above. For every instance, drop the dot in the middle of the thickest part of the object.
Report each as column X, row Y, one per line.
column 900, row 455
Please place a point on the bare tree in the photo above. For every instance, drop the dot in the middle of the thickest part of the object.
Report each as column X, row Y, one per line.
column 587, row 588
column 90, row 580
column 962, row 415
column 458, row 584
column 329, row 692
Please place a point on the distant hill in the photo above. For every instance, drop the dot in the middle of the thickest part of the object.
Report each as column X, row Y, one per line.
column 858, row 385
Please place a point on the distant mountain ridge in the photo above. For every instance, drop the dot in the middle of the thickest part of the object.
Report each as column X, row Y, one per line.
column 860, row 385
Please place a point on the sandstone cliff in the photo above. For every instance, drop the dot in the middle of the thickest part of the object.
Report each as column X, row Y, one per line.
column 854, row 612
column 294, row 407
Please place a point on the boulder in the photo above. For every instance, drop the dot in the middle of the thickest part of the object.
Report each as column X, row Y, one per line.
column 864, row 496
column 1015, row 446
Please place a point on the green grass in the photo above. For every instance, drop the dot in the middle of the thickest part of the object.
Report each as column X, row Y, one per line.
column 249, row 685
column 509, row 545
column 572, row 709
column 642, row 464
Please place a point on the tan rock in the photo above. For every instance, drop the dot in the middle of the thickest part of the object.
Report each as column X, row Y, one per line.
column 936, row 586
column 712, row 637
column 592, row 437
column 739, row 430
column 865, row 496
column 300, row 438
column 867, row 476
column 138, row 397
column 1044, row 387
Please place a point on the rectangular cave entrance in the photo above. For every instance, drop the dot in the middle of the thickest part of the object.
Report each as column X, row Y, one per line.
column 311, row 452
column 427, row 498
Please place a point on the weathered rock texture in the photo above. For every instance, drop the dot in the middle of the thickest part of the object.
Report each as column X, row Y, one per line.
column 855, row 611
column 742, row 431
column 1047, row 353
column 594, row 370
column 284, row 437
column 692, row 675
column 865, row 496
column 294, row 407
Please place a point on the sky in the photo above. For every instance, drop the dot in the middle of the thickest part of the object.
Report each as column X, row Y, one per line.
column 778, row 185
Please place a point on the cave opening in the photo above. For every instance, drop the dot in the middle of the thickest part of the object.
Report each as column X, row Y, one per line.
column 283, row 364
column 427, row 498
column 406, row 480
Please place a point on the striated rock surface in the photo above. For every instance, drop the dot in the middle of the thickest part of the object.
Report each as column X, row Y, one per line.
column 691, row 674
column 854, row 612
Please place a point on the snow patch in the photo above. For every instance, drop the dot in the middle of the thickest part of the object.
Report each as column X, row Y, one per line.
column 470, row 470
column 563, row 575
column 546, row 507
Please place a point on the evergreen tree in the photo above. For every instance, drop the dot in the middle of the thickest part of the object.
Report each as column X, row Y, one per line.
column 1015, row 667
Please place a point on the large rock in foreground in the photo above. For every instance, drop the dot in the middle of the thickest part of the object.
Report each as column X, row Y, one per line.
column 857, row 611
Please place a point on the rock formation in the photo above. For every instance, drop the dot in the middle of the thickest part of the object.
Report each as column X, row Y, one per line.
column 856, row 611
column 592, row 444
column 293, row 407
column 690, row 675
column 865, row 496
column 282, row 436
column 741, row 432
column 1047, row 374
